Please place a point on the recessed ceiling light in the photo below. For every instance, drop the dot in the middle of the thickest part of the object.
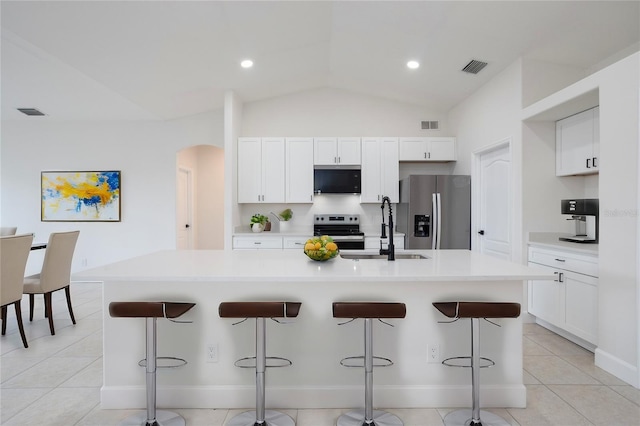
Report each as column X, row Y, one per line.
column 247, row 63
column 413, row 64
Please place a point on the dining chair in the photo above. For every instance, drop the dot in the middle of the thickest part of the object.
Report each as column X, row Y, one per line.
column 5, row 231
column 55, row 274
column 14, row 252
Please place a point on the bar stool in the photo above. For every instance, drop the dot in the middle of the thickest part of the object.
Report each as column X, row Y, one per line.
column 368, row 311
column 151, row 311
column 260, row 311
column 475, row 311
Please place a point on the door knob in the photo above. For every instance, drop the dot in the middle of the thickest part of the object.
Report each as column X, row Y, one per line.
column 187, row 225
column 481, row 232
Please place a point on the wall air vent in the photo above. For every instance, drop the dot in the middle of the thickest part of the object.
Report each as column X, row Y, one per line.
column 474, row 67
column 30, row 111
column 430, row 125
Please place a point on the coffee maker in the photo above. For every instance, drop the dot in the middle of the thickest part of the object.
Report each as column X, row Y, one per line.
column 584, row 212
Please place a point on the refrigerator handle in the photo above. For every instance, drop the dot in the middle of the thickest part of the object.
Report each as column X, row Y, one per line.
column 434, row 221
column 439, row 219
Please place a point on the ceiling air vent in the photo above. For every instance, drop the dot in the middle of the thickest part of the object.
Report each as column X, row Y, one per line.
column 30, row 111
column 474, row 67
column 430, row 125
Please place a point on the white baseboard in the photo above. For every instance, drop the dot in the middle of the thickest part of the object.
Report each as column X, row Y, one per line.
column 619, row 368
column 133, row 397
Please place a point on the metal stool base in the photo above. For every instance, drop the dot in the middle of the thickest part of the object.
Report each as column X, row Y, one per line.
column 463, row 418
column 272, row 418
column 380, row 418
column 163, row 418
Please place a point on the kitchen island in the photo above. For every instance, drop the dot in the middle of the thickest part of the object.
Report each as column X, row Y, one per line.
column 314, row 341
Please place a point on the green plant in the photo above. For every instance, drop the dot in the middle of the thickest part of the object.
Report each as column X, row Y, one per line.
column 286, row 214
column 259, row 218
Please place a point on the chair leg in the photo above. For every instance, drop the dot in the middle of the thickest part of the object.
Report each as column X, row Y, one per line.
column 48, row 313
column 20, row 326
column 67, row 291
column 4, row 320
column 31, row 303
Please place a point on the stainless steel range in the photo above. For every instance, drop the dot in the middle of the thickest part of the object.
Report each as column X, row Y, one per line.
column 343, row 228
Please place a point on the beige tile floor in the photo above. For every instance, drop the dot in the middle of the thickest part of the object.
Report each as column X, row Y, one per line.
column 56, row 381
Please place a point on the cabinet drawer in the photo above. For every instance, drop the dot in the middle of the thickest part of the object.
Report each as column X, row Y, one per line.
column 294, row 242
column 564, row 260
column 257, row 243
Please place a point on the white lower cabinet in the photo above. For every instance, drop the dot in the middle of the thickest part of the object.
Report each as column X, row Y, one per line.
column 294, row 242
column 570, row 302
column 257, row 242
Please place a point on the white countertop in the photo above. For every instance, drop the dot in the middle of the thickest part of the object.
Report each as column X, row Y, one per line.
column 550, row 240
column 293, row 265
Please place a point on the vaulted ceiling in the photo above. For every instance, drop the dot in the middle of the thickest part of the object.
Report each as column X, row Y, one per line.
column 97, row 60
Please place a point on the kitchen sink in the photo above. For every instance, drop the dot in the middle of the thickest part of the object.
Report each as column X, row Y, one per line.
column 398, row 256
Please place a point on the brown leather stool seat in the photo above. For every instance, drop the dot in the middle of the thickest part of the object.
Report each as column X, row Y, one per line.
column 148, row 309
column 368, row 311
column 151, row 311
column 478, row 309
column 475, row 311
column 260, row 311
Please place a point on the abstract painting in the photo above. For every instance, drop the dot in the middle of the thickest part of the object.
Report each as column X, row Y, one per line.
column 81, row 196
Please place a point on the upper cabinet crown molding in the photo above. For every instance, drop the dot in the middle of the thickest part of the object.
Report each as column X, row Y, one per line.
column 337, row 151
column 427, row 149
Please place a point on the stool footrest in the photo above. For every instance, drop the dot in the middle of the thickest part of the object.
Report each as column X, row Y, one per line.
column 451, row 362
column 250, row 362
column 179, row 362
column 345, row 362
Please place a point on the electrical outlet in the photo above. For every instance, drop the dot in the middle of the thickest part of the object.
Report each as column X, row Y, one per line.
column 212, row 352
column 433, row 353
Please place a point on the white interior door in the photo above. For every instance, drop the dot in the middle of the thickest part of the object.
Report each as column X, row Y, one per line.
column 184, row 216
column 493, row 184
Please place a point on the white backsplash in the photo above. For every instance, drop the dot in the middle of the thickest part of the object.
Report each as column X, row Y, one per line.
column 370, row 214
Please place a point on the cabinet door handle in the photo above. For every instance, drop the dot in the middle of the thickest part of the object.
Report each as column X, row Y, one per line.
column 560, row 260
column 338, row 160
column 257, row 242
column 593, row 161
column 429, row 155
column 560, row 277
column 335, row 160
column 425, row 155
column 588, row 166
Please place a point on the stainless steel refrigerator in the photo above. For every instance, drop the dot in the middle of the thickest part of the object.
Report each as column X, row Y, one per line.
column 435, row 211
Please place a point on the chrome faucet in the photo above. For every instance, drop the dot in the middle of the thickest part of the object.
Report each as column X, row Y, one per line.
column 390, row 251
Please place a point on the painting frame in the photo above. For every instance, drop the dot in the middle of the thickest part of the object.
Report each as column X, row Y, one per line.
column 80, row 196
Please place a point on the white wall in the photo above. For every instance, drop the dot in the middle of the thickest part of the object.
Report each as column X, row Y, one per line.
column 145, row 152
column 490, row 115
column 333, row 112
column 618, row 282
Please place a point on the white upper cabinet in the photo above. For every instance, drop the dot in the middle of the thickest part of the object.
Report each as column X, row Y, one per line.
column 261, row 170
column 578, row 143
column 299, row 175
column 380, row 170
column 427, row 149
column 336, row 151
